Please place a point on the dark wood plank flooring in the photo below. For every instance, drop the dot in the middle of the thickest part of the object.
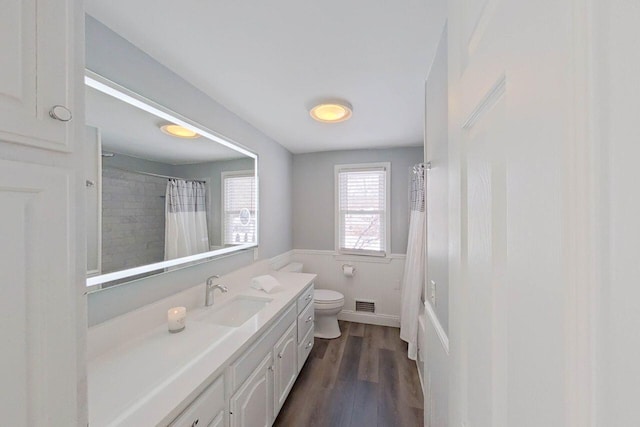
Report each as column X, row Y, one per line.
column 363, row 378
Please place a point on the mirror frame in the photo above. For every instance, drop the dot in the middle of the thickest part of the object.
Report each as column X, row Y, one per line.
column 104, row 85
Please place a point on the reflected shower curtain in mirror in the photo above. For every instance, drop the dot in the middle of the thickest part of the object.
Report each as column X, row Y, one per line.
column 186, row 230
column 414, row 269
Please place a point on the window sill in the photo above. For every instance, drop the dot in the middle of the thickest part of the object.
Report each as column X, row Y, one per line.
column 377, row 259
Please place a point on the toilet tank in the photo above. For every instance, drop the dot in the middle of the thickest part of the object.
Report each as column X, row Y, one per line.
column 293, row 267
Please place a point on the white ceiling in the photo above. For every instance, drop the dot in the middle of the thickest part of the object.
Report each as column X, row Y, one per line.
column 129, row 130
column 268, row 61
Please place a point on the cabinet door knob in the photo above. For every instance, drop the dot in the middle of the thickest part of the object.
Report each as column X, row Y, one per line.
column 195, row 423
column 308, row 297
column 279, row 355
column 309, row 344
column 309, row 319
column 60, row 112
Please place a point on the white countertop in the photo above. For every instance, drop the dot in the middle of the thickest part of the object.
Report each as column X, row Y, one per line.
column 149, row 380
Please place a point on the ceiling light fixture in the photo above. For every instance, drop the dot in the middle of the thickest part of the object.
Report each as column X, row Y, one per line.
column 331, row 112
column 179, row 131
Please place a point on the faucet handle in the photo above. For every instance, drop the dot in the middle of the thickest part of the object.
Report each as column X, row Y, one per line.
column 210, row 279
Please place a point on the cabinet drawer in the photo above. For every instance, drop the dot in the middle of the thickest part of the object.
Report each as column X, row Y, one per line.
column 305, row 322
column 304, row 348
column 205, row 408
column 245, row 364
column 305, row 298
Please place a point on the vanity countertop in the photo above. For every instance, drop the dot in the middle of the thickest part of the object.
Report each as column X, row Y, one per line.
column 149, row 380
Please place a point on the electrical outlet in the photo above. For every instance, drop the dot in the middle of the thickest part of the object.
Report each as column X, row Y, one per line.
column 434, row 299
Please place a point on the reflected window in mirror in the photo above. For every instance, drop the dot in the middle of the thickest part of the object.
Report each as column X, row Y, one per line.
column 239, row 209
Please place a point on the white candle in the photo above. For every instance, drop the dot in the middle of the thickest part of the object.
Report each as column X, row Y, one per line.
column 176, row 317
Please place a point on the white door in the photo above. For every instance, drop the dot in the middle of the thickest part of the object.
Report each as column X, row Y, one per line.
column 35, row 72
column 252, row 404
column 285, row 366
column 515, row 118
column 42, row 260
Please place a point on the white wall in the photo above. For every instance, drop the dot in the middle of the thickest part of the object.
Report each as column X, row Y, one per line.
column 617, row 106
column 436, row 353
column 313, row 194
column 116, row 59
column 436, row 152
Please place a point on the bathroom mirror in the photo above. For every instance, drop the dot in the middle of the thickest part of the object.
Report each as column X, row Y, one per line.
column 162, row 191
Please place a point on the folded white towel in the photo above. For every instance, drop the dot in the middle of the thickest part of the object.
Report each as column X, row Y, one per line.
column 267, row 283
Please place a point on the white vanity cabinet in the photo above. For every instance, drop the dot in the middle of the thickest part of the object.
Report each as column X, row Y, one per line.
column 252, row 404
column 273, row 378
column 254, row 385
column 207, row 410
column 306, row 319
column 285, row 367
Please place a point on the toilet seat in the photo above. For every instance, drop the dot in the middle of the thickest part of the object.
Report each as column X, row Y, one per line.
column 326, row 300
column 327, row 296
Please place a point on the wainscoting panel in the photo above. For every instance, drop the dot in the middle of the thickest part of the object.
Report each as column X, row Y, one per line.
column 376, row 280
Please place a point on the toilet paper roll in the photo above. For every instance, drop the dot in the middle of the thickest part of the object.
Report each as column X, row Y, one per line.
column 348, row 270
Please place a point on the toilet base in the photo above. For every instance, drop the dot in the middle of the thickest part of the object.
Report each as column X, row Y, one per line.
column 326, row 326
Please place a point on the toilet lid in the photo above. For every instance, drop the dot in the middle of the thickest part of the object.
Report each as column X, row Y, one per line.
column 326, row 295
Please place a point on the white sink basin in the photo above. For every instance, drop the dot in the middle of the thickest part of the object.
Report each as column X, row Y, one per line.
column 235, row 312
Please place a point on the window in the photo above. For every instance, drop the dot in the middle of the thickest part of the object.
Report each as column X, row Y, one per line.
column 362, row 208
column 238, row 208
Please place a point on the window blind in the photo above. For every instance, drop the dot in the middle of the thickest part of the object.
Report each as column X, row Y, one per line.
column 362, row 211
column 239, row 216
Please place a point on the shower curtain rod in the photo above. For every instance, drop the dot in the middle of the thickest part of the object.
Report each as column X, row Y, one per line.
column 155, row 174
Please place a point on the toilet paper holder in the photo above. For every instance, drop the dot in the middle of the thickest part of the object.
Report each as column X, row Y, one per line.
column 348, row 270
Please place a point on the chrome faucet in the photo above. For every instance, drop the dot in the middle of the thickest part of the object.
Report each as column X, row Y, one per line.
column 208, row 296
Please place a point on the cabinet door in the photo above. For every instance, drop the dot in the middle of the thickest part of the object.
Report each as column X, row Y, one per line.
column 38, row 296
column 36, row 71
column 285, row 366
column 252, row 404
column 218, row 421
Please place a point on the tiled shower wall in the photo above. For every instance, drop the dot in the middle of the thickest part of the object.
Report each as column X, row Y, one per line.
column 132, row 219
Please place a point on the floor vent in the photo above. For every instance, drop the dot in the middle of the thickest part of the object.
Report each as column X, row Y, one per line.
column 367, row 306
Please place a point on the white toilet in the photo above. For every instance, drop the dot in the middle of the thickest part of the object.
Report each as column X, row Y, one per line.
column 327, row 304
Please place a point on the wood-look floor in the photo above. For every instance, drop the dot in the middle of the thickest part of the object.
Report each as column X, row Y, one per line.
column 363, row 378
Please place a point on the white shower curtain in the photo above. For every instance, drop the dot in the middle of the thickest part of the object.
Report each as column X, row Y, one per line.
column 186, row 230
column 414, row 269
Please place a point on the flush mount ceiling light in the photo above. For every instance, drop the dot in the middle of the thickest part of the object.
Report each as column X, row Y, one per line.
column 179, row 131
column 331, row 112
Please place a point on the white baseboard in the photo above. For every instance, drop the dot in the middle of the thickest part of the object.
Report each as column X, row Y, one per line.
column 370, row 318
